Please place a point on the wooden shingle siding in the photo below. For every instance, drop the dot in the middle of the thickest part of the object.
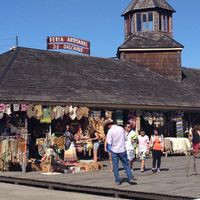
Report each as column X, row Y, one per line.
column 164, row 63
column 52, row 78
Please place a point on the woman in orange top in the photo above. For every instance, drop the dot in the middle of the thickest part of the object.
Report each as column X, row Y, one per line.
column 157, row 146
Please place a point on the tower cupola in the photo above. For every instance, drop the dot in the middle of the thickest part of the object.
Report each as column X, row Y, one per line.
column 149, row 42
column 143, row 16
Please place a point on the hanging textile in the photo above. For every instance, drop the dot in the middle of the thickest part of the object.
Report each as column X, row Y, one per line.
column 24, row 107
column 38, row 111
column 16, row 107
column 46, row 115
column 8, row 109
column 2, row 107
column 179, row 127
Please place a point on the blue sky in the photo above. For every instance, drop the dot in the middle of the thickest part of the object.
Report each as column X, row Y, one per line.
column 98, row 21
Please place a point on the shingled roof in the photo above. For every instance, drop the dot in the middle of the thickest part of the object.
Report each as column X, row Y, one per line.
column 150, row 40
column 147, row 4
column 46, row 77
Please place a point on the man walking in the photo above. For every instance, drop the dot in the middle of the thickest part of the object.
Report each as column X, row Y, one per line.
column 116, row 139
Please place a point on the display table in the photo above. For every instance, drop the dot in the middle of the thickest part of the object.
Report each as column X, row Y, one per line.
column 178, row 145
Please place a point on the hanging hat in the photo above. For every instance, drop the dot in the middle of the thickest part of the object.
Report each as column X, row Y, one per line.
column 72, row 112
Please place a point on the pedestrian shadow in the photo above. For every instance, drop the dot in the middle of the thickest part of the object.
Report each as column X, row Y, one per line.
column 125, row 180
column 164, row 169
column 146, row 169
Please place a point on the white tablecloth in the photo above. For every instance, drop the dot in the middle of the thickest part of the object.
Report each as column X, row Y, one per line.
column 180, row 145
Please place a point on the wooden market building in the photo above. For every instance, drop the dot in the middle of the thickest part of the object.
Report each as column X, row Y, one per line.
column 146, row 79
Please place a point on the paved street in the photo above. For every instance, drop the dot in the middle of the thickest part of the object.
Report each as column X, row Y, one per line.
column 172, row 180
column 19, row 192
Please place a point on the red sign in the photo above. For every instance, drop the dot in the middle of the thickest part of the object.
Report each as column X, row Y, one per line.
column 69, row 47
column 67, row 39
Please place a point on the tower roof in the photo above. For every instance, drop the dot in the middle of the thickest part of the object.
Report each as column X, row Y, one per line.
column 150, row 40
column 148, row 4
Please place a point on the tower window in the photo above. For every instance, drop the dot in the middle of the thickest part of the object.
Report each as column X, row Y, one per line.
column 139, row 22
column 145, row 21
column 164, row 23
column 129, row 24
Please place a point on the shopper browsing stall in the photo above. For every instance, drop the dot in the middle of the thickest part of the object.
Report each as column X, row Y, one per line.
column 94, row 137
column 143, row 148
column 70, row 150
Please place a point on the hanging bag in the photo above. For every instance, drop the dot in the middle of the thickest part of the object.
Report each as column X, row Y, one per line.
column 69, row 139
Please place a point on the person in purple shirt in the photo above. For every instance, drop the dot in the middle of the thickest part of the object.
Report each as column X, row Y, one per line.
column 116, row 139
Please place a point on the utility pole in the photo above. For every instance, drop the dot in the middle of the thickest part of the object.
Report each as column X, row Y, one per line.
column 17, row 42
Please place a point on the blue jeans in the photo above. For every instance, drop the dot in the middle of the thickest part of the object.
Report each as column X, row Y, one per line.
column 123, row 158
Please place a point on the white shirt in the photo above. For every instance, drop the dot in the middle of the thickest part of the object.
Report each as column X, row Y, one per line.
column 116, row 138
column 143, row 142
column 129, row 136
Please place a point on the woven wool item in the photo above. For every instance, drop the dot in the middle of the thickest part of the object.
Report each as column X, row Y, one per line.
column 21, row 144
column 59, row 142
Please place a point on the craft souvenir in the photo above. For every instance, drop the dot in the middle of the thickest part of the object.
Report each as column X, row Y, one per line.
column 79, row 113
column 72, row 112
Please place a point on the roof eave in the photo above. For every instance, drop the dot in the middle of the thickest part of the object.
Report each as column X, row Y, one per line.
column 151, row 49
